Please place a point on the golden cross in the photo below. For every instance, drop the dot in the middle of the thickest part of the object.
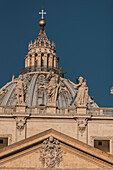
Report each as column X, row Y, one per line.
column 42, row 13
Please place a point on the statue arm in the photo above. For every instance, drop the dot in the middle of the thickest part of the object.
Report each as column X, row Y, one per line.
column 77, row 85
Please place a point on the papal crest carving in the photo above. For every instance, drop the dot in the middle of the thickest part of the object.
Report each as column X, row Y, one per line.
column 51, row 153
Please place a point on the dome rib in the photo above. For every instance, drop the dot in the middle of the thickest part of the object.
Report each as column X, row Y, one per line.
column 31, row 90
column 8, row 94
column 69, row 87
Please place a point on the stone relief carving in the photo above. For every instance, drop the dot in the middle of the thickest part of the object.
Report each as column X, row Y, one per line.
column 51, row 153
column 20, row 90
column 20, row 123
column 82, row 94
column 82, row 123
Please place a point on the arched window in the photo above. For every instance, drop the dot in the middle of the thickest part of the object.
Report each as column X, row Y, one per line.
column 57, row 64
column 36, row 60
column 42, row 60
column 53, row 62
column 41, row 91
column 26, row 62
column 48, row 61
column 30, row 61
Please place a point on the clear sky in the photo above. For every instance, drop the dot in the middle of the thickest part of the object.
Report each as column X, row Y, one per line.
column 81, row 29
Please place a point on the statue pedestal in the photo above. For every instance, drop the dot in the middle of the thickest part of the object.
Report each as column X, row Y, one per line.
column 51, row 108
column 20, row 108
column 81, row 110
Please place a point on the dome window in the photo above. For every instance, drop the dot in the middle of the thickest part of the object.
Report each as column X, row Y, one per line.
column 42, row 60
column 48, row 61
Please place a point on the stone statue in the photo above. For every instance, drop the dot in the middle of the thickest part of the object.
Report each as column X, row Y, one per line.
column 82, row 94
column 52, row 86
column 111, row 90
column 13, row 78
column 20, row 90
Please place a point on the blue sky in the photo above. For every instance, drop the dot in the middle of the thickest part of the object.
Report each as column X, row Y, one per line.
column 81, row 29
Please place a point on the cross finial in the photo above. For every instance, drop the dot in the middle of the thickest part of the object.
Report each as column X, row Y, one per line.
column 42, row 13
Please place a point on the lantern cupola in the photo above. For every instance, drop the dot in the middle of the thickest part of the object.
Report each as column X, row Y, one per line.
column 41, row 53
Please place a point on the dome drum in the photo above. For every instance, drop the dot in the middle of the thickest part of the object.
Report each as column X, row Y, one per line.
column 38, row 69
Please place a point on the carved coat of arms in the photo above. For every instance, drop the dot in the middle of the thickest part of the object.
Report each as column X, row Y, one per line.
column 51, row 153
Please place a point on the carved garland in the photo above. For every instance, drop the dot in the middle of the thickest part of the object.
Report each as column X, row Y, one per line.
column 51, row 153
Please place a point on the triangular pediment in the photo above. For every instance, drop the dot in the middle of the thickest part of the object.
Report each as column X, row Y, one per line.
column 52, row 149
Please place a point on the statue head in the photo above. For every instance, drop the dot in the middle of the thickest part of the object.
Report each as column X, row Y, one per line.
column 81, row 79
column 52, row 73
column 20, row 77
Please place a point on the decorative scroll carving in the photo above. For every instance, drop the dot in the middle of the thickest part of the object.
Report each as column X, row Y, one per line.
column 20, row 91
column 51, row 153
column 82, row 94
column 82, row 123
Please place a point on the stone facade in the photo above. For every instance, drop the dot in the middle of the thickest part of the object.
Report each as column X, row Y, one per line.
column 82, row 127
column 68, row 125
column 69, row 154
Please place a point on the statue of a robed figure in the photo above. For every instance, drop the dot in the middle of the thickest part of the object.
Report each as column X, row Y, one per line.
column 82, row 93
column 20, row 90
column 54, row 87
